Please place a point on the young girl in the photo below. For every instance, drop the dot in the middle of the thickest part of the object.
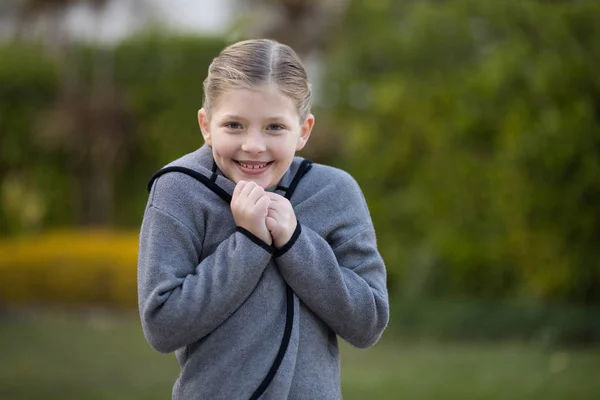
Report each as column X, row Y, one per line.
column 252, row 260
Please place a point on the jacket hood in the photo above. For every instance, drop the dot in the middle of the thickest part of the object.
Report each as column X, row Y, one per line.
column 201, row 165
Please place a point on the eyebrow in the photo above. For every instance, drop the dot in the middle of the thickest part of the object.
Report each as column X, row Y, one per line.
column 231, row 116
column 276, row 118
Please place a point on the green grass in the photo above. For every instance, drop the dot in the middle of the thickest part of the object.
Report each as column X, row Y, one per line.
column 66, row 355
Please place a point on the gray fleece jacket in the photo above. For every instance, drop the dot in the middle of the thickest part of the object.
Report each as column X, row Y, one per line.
column 216, row 294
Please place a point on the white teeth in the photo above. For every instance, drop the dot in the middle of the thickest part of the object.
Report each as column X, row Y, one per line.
column 252, row 166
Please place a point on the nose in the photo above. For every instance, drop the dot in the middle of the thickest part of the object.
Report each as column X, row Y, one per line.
column 254, row 142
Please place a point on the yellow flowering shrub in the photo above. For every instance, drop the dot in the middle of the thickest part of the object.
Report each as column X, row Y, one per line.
column 74, row 267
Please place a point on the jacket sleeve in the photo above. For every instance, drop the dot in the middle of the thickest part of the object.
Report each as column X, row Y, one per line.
column 181, row 299
column 344, row 282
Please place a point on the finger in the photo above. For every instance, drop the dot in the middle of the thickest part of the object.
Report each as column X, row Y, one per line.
column 271, row 223
column 256, row 193
column 275, row 197
column 263, row 203
column 277, row 206
column 247, row 189
column 273, row 212
column 279, row 200
column 282, row 205
column 238, row 189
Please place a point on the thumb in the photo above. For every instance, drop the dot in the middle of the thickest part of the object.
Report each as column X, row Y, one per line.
column 271, row 224
column 263, row 203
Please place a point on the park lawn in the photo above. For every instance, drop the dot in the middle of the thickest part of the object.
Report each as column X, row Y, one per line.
column 54, row 354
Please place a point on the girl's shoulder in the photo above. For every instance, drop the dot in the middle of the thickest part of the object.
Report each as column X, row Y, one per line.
column 187, row 182
column 323, row 176
column 333, row 188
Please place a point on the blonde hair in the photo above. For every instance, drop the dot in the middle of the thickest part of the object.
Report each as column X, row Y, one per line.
column 250, row 63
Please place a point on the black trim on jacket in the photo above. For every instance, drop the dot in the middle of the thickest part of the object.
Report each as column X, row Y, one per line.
column 303, row 168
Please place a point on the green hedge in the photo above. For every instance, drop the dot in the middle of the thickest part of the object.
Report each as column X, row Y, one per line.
column 473, row 128
column 91, row 118
column 543, row 324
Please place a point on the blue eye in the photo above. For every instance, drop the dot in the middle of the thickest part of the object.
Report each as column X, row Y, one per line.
column 233, row 125
column 276, row 127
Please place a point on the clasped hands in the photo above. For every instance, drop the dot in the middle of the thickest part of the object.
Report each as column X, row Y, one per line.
column 268, row 216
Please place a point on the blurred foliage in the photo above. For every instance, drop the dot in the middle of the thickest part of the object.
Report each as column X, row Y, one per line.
column 77, row 268
column 473, row 128
column 28, row 84
column 545, row 324
column 161, row 78
column 98, row 268
column 77, row 132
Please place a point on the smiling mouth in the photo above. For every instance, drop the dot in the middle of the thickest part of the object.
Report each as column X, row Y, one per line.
column 254, row 165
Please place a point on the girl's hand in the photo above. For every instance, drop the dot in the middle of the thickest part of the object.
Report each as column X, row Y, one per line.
column 281, row 219
column 249, row 205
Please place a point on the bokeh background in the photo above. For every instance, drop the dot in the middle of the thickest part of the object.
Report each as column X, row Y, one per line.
column 473, row 127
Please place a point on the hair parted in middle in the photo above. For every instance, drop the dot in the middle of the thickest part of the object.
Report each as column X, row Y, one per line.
column 251, row 63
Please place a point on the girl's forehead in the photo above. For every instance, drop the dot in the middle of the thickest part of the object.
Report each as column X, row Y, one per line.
column 264, row 100
column 265, row 90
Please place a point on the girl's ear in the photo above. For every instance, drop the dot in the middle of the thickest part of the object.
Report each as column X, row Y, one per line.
column 305, row 131
column 204, row 126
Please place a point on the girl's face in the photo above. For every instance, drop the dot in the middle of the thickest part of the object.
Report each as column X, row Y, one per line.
column 254, row 134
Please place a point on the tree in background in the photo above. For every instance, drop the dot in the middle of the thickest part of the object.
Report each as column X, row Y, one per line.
column 87, row 125
column 28, row 84
column 305, row 25
column 473, row 128
column 30, row 15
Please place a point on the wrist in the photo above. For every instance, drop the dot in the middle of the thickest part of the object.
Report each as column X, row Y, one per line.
column 265, row 244
column 284, row 236
column 281, row 250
